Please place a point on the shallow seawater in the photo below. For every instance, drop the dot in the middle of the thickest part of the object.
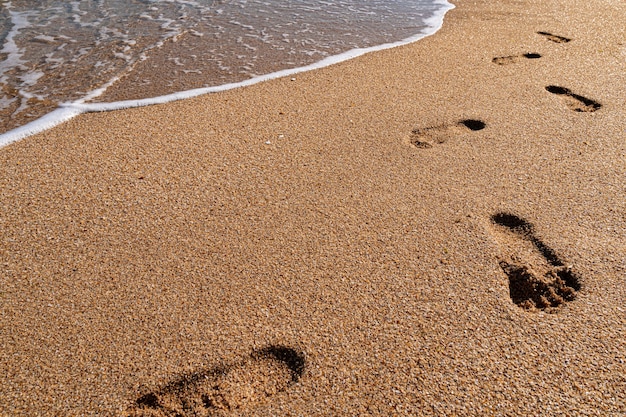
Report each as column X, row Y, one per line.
column 55, row 51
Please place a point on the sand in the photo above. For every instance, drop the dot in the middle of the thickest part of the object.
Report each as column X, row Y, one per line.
column 419, row 231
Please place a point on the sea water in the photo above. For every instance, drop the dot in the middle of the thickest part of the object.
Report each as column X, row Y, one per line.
column 59, row 58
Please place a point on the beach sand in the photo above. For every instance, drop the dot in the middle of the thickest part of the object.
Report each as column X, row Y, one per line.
column 419, row 231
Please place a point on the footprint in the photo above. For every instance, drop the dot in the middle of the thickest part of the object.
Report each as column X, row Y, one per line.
column 554, row 38
column 505, row 60
column 574, row 101
column 223, row 390
column 426, row 137
column 538, row 278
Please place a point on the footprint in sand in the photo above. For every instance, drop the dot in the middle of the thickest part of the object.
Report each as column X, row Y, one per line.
column 505, row 60
column 221, row 391
column 426, row 137
column 574, row 101
column 538, row 278
column 554, row 38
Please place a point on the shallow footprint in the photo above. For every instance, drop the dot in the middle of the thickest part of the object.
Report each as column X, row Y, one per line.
column 426, row 137
column 505, row 60
column 538, row 278
column 221, row 390
column 575, row 102
column 554, row 38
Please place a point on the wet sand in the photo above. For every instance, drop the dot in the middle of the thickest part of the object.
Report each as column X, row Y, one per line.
column 436, row 229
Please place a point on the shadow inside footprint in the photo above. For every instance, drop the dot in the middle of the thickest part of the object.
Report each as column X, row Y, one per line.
column 540, row 281
column 505, row 60
column 554, row 38
column 575, row 102
column 221, row 390
column 426, row 137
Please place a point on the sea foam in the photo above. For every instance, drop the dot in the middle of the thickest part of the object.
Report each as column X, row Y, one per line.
column 68, row 110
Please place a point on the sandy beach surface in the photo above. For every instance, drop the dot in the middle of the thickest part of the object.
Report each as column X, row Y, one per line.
column 435, row 229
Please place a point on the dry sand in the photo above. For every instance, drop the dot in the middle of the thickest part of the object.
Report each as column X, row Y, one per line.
column 339, row 244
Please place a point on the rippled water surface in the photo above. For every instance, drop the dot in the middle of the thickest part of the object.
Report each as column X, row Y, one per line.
column 58, row 51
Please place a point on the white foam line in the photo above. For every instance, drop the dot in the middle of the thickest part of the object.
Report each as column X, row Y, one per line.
column 66, row 111
column 50, row 120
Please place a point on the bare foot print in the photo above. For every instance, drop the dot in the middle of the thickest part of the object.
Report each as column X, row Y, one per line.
column 554, row 38
column 426, row 137
column 505, row 60
column 223, row 390
column 538, row 278
column 574, row 101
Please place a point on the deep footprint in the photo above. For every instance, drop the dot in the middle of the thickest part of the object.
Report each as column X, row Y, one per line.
column 575, row 102
column 538, row 278
column 505, row 60
column 222, row 390
column 426, row 137
column 554, row 38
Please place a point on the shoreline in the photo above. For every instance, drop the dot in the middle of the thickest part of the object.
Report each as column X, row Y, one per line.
column 359, row 241
column 116, row 89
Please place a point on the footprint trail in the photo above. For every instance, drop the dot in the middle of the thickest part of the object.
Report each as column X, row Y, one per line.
column 225, row 390
column 426, row 137
column 538, row 278
column 575, row 102
column 554, row 38
column 506, row 60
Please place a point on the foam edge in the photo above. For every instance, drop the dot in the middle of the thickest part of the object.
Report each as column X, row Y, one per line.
column 67, row 111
